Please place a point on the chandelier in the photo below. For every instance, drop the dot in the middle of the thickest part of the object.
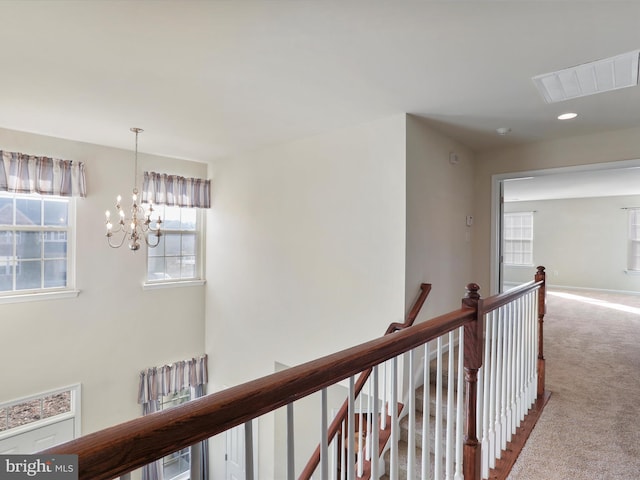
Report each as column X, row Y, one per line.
column 138, row 225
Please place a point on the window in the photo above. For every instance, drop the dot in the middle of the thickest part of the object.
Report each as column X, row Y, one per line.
column 177, row 465
column 177, row 257
column 633, row 248
column 518, row 238
column 37, row 410
column 35, row 247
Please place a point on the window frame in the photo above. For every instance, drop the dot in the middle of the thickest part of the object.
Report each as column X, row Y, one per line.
column 633, row 214
column 167, row 403
column 74, row 392
column 199, row 278
column 46, row 293
column 519, row 252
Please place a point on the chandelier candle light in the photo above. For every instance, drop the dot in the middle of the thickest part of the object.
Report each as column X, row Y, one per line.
column 139, row 225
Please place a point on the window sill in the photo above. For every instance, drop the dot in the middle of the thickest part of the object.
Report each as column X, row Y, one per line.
column 632, row 272
column 183, row 283
column 38, row 296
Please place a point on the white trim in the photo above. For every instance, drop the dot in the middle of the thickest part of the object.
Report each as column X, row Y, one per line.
column 494, row 272
column 200, row 248
column 496, row 179
column 76, row 402
column 69, row 290
column 181, row 283
column 38, row 296
column 592, row 289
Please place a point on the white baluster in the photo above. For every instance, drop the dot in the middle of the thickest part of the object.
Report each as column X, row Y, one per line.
column 517, row 346
column 484, row 392
column 375, row 434
column 437, row 443
column 506, row 425
column 533, row 321
column 324, row 437
column 411, row 440
column 459, row 406
column 450, row 415
column 536, row 349
column 393, row 407
column 501, row 382
column 493, row 387
column 383, row 417
column 335, row 452
column 370, row 422
column 513, row 368
column 343, row 451
column 426, row 412
column 351, row 455
column 530, row 348
column 522, row 358
column 360, row 452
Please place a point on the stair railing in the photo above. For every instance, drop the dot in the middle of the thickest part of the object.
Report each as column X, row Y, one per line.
column 341, row 417
column 120, row 449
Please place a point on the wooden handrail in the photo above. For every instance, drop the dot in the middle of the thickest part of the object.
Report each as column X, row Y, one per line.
column 122, row 448
column 425, row 289
column 341, row 415
column 117, row 450
column 491, row 303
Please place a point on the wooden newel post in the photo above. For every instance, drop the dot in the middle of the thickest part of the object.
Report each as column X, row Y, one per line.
column 472, row 363
column 542, row 295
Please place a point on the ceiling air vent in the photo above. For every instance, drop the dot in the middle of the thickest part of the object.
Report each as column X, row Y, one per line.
column 590, row 78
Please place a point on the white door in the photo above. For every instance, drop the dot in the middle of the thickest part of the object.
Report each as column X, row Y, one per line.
column 35, row 439
column 235, row 456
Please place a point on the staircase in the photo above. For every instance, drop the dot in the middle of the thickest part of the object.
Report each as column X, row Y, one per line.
column 406, row 430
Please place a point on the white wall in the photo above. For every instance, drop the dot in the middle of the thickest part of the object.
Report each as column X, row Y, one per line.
column 305, row 242
column 319, row 244
column 583, row 150
column 439, row 198
column 113, row 329
column 582, row 242
column 305, row 250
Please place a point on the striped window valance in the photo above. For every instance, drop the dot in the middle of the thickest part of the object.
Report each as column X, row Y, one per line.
column 20, row 173
column 174, row 190
column 159, row 381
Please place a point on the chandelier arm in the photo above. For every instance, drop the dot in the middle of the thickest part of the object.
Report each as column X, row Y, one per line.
column 153, row 245
column 112, row 245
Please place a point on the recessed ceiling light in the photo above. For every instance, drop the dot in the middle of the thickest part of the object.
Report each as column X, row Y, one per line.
column 503, row 130
column 567, row 116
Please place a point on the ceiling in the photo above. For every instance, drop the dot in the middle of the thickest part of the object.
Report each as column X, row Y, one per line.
column 595, row 181
column 209, row 78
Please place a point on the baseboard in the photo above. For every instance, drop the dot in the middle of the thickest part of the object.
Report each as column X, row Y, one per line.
column 509, row 456
column 584, row 289
column 591, row 289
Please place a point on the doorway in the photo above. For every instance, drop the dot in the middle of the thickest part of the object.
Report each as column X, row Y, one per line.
column 579, row 190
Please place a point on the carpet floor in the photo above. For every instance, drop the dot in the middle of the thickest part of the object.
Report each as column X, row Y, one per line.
column 590, row 429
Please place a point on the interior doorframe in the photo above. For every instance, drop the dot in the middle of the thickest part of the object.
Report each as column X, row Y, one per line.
column 496, row 205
